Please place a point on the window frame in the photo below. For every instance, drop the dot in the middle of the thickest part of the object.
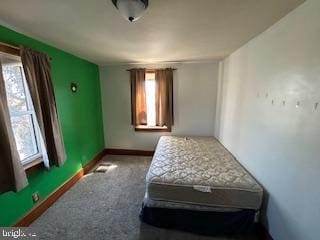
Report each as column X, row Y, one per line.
column 36, row 160
column 144, row 128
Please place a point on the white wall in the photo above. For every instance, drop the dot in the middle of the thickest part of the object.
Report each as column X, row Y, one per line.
column 195, row 88
column 278, row 143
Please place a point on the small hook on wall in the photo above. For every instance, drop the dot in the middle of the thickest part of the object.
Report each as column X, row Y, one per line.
column 316, row 106
column 298, row 104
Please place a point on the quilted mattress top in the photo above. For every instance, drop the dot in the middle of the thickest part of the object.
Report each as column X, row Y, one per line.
column 200, row 163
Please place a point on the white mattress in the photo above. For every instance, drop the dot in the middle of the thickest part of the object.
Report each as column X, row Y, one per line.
column 200, row 171
column 177, row 205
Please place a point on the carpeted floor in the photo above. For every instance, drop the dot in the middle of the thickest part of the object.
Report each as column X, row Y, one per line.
column 106, row 206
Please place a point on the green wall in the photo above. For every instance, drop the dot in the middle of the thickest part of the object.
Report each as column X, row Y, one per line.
column 81, row 121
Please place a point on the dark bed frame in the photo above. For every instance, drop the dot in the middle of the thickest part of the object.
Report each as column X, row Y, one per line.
column 201, row 222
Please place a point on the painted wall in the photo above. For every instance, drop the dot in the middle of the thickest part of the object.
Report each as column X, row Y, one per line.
column 81, row 121
column 194, row 104
column 278, row 142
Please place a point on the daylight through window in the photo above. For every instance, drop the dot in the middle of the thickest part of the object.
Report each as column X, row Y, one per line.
column 23, row 118
column 150, row 85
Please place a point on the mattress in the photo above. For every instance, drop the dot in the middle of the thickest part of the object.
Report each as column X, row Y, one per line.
column 147, row 202
column 200, row 171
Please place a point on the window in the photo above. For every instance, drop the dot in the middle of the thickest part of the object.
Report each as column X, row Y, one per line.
column 23, row 117
column 151, row 99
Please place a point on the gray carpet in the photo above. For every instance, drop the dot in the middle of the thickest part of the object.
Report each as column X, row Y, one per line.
column 106, row 206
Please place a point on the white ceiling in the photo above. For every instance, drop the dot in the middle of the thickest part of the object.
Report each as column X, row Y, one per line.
column 171, row 30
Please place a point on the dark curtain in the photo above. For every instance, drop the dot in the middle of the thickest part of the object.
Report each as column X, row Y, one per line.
column 12, row 174
column 164, row 97
column 138, row 97
column 38, row 74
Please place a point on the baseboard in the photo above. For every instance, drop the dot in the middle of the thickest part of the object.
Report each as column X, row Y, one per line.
column 94, row 161
column 39, row 209
column 116, row 151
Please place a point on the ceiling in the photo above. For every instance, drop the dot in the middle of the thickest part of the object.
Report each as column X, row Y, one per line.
column 170, row 31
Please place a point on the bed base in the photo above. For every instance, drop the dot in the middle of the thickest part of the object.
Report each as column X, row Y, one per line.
column 200, row 222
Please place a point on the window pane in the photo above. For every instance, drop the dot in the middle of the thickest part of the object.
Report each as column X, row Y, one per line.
column 14, row 87
column 24, row 134
column 20, row 106
column 151, row 99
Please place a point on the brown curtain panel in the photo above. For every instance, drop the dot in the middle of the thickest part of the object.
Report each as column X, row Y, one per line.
column 38, row 74
column 138, row 97
column 164, row 97
column 12, row 174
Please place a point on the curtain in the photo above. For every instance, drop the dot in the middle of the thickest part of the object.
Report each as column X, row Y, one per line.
column 138, row 97
column 12, row 174
column 164, row 97
column 37, row 70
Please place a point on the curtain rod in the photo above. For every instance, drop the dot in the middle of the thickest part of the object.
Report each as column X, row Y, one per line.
column 152, row 69
column 15, row 49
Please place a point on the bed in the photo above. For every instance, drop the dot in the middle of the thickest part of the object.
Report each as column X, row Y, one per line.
column 195, row 184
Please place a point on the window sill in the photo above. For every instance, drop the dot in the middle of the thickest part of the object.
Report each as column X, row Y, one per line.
column 34, row 165
column 143, row 128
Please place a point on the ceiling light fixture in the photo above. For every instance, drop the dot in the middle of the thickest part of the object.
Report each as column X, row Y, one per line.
column 131, row 10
